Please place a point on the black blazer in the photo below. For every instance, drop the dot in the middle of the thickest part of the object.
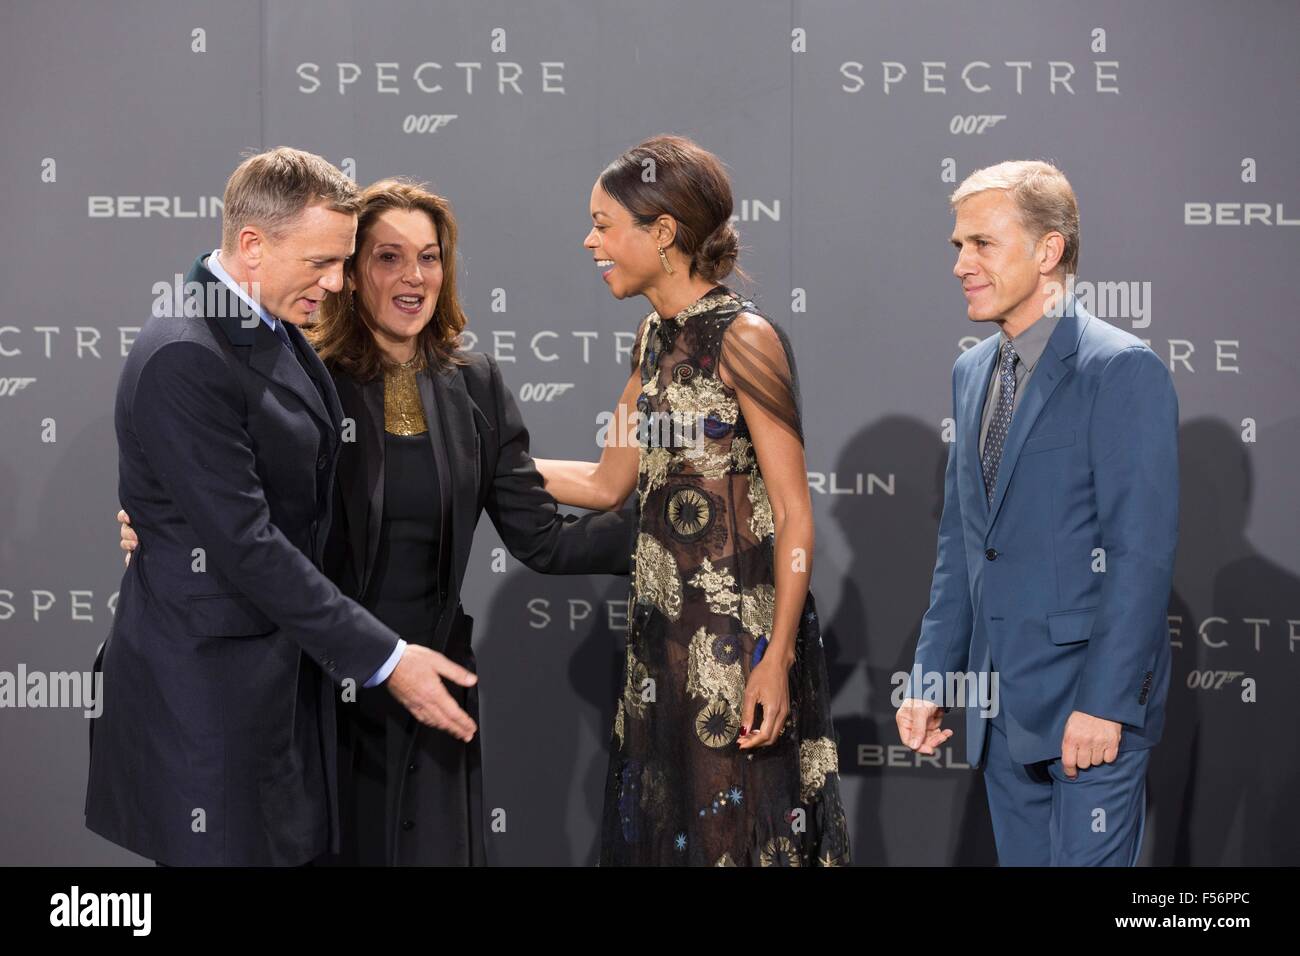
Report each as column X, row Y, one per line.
column 216, row 744
column 481, row 452
column 473, row 421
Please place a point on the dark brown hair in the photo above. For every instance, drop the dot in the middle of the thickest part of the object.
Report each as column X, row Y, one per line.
column 342, row 336
column 674, row 176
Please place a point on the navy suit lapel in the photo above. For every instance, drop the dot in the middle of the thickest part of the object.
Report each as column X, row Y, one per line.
column 267, row 356
column 327, row 409
column 1048, row 375
column 270, row 358
column 361, row 473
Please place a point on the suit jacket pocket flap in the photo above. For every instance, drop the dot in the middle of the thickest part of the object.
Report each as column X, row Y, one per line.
column 226, row 615
column 1047, row 441
column 1070, row 627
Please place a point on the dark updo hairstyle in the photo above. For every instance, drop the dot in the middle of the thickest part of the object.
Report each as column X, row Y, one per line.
column 671, row 175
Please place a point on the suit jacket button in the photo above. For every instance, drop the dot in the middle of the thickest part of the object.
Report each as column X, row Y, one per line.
column 408, row 824
column 322, row 462
column 410, row 768
column 991, row 554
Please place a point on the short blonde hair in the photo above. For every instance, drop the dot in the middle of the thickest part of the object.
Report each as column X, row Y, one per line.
column 1043, row 195
column 272, row 189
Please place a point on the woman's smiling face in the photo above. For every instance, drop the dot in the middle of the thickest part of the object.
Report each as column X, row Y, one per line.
column 398, row 274
column 625, row 252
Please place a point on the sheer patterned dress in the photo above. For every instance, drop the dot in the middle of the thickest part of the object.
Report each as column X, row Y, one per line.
column 679, row 790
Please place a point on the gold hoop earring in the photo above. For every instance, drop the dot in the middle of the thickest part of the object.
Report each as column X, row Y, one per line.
column 664, row 259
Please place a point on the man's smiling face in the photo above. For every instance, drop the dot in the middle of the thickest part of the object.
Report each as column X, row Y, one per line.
column 998, row 262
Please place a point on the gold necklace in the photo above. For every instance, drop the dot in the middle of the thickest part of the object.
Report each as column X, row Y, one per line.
column 403, row 410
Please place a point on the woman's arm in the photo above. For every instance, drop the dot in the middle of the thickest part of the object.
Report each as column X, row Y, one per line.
column 526, row 516
column 602, row 485
column 768, row 408
column 781, row 462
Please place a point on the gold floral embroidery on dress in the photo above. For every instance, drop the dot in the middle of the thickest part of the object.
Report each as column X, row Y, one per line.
column 719, row 588
column 618, row 724
column 817, row 758
column 713, row 669
column 700, row 395
column 701, row 305
column 742, row 453
column 708, row 463
column 780, row 851
column 403, row 410
column 725, row 859
column 716, row 724
column 756, row 607
column 645, row 341
column 654, row 464
column 657, row 580
column 637, row 675
column 760, row 521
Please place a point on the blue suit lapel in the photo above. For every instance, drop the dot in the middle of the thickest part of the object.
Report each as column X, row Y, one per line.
column 972, row 411
column 1048, row 374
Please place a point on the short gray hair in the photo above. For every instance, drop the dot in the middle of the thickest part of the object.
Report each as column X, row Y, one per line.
column 271, row 190
column 1043, row 195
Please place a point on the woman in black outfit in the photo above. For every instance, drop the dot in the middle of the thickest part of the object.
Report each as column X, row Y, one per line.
column 438, row 439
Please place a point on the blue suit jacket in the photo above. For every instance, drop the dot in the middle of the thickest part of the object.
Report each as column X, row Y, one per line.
column 1061, row 586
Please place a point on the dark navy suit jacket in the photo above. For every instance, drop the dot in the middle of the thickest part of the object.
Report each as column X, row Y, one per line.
column 216, row 744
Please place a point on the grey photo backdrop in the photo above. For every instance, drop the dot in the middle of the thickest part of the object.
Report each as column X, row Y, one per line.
column 845, row 125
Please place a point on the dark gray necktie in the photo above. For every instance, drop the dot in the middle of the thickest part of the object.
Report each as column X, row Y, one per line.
column 1001, row 421
column 281, row 331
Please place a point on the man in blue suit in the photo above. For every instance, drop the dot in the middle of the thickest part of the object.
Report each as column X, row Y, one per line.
column 1056, row 545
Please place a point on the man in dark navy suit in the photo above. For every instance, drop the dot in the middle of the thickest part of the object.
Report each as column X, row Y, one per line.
column 217, row 740
column 1056, row 546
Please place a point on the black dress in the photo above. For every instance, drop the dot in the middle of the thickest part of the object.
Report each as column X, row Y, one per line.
column 410, row 569
column 679, row 791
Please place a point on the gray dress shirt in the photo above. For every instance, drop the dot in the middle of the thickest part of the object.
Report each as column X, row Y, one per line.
column 1029, row 346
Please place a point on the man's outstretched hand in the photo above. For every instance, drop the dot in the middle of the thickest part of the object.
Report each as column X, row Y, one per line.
column 416, row 682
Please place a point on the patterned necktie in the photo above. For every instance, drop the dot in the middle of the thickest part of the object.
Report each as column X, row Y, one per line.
column 1001, row 421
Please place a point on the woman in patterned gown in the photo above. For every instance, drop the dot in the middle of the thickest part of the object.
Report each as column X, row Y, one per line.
column 722, row 751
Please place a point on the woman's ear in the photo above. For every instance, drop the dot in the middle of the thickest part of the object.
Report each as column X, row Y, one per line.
column 665, row 231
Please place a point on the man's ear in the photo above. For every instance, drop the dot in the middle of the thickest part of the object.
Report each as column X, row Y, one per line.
column 250, row 245
column 1053, row 247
